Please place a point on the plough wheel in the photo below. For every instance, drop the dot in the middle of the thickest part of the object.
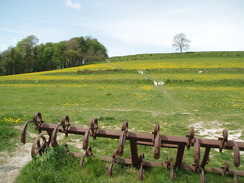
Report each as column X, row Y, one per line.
column 39, row 145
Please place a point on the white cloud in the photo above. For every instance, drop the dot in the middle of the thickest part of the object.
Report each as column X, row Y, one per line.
column 73, row 4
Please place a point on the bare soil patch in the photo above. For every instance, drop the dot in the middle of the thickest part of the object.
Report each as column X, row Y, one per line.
column 10, row 165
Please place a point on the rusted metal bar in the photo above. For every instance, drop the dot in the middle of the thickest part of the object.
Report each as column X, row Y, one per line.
column 205, row 157
column 134, row 153
column 165, row 139
column 179, row 156
column 48, row 135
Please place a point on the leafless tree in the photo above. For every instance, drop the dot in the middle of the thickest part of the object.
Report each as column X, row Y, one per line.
column 180, row 42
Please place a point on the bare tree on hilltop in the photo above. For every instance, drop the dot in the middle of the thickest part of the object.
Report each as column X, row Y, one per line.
column 180, row 42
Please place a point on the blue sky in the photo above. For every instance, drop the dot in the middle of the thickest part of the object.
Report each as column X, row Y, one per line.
column 126, row 27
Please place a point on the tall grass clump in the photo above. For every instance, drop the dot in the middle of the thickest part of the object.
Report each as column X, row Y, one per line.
column 56, row 165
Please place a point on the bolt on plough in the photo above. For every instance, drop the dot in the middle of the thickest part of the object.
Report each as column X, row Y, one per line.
column 48, row 137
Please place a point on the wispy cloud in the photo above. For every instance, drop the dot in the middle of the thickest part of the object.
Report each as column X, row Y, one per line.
column 11, row 30
column 73, row 4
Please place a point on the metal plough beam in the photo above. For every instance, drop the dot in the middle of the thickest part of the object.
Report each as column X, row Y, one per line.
column 143, row 137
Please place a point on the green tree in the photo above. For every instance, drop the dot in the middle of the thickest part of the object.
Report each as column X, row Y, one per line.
column 27, row 56
column 26, row 46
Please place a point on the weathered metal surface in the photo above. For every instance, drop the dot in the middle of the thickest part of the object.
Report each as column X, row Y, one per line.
column 48, row 136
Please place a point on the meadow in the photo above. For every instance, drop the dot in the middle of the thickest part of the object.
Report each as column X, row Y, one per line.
column 201, row 90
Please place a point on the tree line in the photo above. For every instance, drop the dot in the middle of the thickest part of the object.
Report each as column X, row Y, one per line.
column 28, row 56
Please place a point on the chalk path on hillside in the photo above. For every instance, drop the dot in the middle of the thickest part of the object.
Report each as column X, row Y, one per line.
column 10, row 165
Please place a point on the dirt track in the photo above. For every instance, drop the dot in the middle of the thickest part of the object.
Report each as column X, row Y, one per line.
column 11, row 165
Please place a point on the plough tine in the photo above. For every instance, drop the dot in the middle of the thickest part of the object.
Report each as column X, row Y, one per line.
column 23, row 132
column 86, row 139
column 141, row 169
column 90, row 132
column 120, row 150
column 115, row 159
column 65, row 124
column 88, row 153
column 202, row 176
column 37, row 119
column 54, row 142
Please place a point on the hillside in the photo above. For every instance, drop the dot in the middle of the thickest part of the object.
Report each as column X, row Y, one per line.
column 176, row 91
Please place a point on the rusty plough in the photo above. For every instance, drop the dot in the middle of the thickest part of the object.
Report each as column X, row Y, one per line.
column 48, row 136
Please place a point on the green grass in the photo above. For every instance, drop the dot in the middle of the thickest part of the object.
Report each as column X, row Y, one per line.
column 8, row 136
column 116, row 93
column 57, row 166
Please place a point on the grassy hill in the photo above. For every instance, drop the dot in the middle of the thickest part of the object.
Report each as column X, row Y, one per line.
column 204, row 90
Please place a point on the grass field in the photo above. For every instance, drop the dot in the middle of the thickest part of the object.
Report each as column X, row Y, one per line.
column 201, row 90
